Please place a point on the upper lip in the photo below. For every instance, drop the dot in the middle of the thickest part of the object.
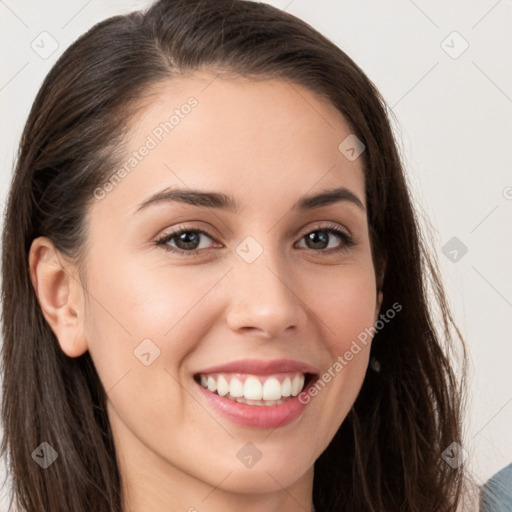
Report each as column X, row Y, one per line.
column 261, row 367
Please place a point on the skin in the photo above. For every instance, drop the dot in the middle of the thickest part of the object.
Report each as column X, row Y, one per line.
column 266, row 143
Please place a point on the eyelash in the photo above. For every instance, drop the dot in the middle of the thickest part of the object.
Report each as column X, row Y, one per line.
column 348, row 241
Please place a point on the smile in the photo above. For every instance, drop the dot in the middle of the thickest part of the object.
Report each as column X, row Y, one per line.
column 257, row 394
column 261, row 390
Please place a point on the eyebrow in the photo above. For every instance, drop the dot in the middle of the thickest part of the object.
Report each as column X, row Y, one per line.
column 223, row 201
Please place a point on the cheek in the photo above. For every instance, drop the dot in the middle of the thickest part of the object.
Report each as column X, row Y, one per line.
column 140, row 328
column 347, row 306
column 133, row 304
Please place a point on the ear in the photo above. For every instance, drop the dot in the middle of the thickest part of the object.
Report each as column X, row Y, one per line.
column 60, row 295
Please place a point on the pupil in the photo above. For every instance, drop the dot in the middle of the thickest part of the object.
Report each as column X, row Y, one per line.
column 318, row 237
column 189, row 234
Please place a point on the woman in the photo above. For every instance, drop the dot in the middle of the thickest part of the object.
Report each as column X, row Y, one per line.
column 214, row 284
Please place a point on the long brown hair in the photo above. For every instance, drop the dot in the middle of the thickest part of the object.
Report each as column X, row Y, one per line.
column 387, row 454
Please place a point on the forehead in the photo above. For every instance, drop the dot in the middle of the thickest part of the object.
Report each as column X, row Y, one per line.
column 258, row 139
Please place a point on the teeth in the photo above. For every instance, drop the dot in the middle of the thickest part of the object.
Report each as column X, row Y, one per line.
column 236, row 388
column 286, row 388
column 297, row 384
column 222, row 386
column 252, row 389
column 260, row 403
column 212, row 384
column 255, row 390
column 271, row 389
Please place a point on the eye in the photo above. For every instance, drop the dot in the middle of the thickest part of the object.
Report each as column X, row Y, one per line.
column 320, row 239
column 186, row 240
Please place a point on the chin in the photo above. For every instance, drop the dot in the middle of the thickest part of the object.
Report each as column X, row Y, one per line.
column 263, row 480
column 274, row 471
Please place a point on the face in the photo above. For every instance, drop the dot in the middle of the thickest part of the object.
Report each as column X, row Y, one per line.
column 191, row 302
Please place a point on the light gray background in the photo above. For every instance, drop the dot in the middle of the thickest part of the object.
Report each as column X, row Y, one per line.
column 455, row 127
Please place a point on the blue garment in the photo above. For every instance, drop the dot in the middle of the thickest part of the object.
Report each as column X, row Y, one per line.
column 496, row 494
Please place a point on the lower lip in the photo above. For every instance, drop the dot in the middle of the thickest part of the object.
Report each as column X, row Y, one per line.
column 256, row 416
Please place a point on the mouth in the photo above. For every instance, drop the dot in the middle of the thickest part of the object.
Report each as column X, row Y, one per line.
column 257, row 394
column 255, row 390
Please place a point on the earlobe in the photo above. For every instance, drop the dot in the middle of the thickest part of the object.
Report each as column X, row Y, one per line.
column 58, row 294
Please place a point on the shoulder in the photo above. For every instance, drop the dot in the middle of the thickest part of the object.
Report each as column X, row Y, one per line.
column 497, row 492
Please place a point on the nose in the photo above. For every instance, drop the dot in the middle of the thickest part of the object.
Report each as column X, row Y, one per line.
column 265, row 300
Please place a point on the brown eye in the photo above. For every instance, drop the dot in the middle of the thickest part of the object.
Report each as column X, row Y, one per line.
column 319, row 239
column 186, row 241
